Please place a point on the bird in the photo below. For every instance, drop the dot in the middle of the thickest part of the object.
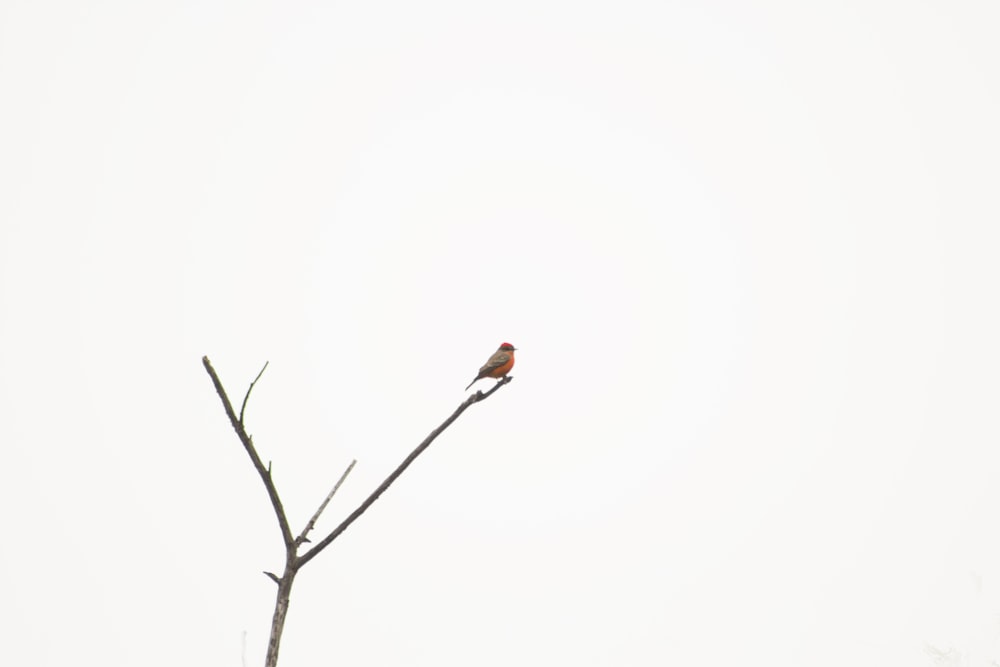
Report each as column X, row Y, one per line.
column 498, row 365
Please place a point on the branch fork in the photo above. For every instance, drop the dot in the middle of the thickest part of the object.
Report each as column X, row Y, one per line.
column 293, row 560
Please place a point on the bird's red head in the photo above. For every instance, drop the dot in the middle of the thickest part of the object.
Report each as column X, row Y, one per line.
column 507, row 347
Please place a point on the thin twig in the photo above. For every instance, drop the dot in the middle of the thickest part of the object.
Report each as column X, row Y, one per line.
column 265, row 474
column 474, row 398
column 247, row 396
column 273, row 577
column 315, row 517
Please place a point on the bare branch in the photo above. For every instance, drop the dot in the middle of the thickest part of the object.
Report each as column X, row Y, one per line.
column 265, row 474
column 247, row 396
column 474, row 398
column 273, row 577
column 315, row 517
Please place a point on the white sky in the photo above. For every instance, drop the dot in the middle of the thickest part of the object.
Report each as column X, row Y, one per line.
column 748, row 251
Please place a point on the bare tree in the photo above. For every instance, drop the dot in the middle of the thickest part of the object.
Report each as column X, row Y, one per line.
column 293, row 559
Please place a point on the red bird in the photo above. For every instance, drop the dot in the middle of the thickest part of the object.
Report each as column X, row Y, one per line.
column 498, row 365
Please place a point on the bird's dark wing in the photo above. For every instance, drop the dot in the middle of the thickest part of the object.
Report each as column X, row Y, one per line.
column 496, row 361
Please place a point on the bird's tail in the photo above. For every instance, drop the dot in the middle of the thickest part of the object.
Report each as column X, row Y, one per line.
column 471, row 383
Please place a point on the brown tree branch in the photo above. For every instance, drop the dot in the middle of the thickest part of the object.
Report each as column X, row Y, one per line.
column 474, row 398
column 265, row 473
column 315, row 517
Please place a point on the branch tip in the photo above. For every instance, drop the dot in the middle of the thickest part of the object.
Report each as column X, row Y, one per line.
column 246, row 397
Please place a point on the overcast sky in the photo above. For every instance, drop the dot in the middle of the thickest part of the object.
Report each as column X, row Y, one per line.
column 748, row 251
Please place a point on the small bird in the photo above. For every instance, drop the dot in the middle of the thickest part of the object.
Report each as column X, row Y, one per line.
column 499, row 364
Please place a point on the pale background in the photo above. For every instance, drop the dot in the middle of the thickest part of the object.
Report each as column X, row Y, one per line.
column 749, row 252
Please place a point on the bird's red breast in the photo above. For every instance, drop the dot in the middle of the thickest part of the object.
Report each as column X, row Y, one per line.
column 504, row 365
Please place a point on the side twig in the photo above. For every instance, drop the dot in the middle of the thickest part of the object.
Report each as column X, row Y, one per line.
column 246, row 397
column 315, row 517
